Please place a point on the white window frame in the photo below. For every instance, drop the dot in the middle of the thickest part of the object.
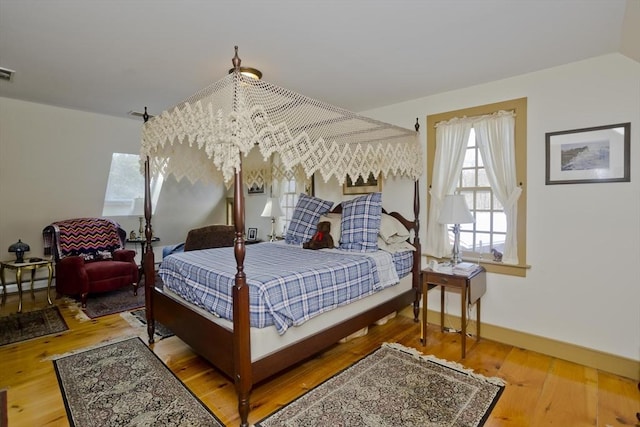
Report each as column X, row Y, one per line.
column 519, row 107
column 124, row 204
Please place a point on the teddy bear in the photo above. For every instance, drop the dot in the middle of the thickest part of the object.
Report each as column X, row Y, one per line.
column 322, row 239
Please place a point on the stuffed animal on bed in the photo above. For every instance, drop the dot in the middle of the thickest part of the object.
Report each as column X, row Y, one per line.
column 322, row 239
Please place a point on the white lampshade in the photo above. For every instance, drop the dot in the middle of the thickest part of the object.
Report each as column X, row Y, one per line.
column 455, row 210
column 272, row 208
column 138, row 207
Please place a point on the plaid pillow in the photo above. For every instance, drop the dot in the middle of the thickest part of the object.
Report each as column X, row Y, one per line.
column 305, row 218
column 361, row 223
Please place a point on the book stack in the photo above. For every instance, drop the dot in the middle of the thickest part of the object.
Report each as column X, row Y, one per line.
column 465, row 268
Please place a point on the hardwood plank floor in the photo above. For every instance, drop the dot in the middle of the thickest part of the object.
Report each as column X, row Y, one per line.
column 540, row 391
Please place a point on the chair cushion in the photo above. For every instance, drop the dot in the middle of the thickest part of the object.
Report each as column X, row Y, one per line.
column 104, row 270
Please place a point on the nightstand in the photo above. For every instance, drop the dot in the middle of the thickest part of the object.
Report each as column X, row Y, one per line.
column 29, row 264
column 142, row 241
column 471, row 289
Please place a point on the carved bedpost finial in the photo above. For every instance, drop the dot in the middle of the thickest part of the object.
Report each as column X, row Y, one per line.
column 145, row 116
column 417, row 125
column 236, row 60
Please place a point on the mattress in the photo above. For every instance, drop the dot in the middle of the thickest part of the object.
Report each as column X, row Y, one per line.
column 287, row 285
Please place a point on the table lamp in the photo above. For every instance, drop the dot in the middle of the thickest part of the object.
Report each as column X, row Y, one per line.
column 19, row 248
column 455, row 211
column 138, row 210
column 272, row 209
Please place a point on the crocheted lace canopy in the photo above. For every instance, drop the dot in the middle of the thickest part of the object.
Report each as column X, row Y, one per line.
column 237, row 113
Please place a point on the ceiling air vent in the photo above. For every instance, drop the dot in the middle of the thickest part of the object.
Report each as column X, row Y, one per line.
column 6, row 74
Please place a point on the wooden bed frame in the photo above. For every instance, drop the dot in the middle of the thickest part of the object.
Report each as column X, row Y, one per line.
column 231, row 350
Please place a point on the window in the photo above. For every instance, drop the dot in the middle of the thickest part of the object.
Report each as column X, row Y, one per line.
column 288, row 200
column 489, row 230
column 126, row 184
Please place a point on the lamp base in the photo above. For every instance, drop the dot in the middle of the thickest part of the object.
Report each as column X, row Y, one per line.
column 455, row 254
column 273, row 230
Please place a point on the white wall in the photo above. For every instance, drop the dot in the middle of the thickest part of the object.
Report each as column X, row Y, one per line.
column 583, row 240
column 54, row 164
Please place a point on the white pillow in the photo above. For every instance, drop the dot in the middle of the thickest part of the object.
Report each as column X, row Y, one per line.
column 335, row 219
column 395, row 247
column 392, row 231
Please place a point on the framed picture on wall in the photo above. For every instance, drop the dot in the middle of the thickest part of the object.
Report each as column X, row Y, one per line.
column 310, row 186
column 362, row 186
column 252, row 234
column 589, row 155
column 256, row 189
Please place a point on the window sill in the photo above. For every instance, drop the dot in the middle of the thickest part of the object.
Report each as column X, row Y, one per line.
column 519, row 270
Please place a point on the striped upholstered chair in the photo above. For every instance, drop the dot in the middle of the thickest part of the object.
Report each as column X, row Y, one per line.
column 90, row 257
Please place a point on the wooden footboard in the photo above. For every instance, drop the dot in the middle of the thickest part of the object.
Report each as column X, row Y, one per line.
column 208, row 339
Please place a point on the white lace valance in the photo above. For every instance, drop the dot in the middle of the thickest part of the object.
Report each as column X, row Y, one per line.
column 207, row 133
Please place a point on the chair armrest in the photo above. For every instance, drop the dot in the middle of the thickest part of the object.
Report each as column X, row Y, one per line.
column 126, row 255
column 76, row 262
column 71, row 276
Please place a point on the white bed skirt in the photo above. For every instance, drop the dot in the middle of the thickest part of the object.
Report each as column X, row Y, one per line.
column 265, row 341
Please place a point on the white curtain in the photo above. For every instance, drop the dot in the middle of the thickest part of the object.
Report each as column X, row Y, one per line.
column 451, row 145
column 496, row 142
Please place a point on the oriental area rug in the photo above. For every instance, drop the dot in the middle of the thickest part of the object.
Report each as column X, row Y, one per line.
column 111, row 302
column 18, row 327
column 125, row 384
column 395, row 386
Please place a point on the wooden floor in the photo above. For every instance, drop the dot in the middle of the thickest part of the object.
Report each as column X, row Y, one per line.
column 540, row 391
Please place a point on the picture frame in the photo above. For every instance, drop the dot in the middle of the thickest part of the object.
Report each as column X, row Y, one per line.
column 252, row 234
column 589, row 155
column 360, row 186
column 310, row 186
column 256, row 189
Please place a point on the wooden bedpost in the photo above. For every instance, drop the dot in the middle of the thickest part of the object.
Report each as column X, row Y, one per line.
column 148, row 261
column 241, row 320
column 417, row 255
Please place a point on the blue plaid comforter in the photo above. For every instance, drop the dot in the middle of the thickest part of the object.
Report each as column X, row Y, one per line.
column 287, row 284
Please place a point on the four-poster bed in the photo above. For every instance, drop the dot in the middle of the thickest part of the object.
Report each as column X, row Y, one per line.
column 219, row 125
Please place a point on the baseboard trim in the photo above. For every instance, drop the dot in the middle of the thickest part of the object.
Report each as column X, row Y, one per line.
column 12, row 287
column 607, row 362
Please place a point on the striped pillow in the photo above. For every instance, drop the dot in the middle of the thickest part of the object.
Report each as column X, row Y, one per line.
column 361, row 223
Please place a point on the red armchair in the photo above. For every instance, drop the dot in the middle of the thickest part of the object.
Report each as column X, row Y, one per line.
column 90, row 257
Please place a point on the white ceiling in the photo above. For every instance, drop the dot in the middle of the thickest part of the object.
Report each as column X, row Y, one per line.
column 114, row 56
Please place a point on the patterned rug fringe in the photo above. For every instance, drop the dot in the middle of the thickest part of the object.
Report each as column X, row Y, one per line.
column 452, row 365
column 76, row 309
column 141, row 328
column 132, row 320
